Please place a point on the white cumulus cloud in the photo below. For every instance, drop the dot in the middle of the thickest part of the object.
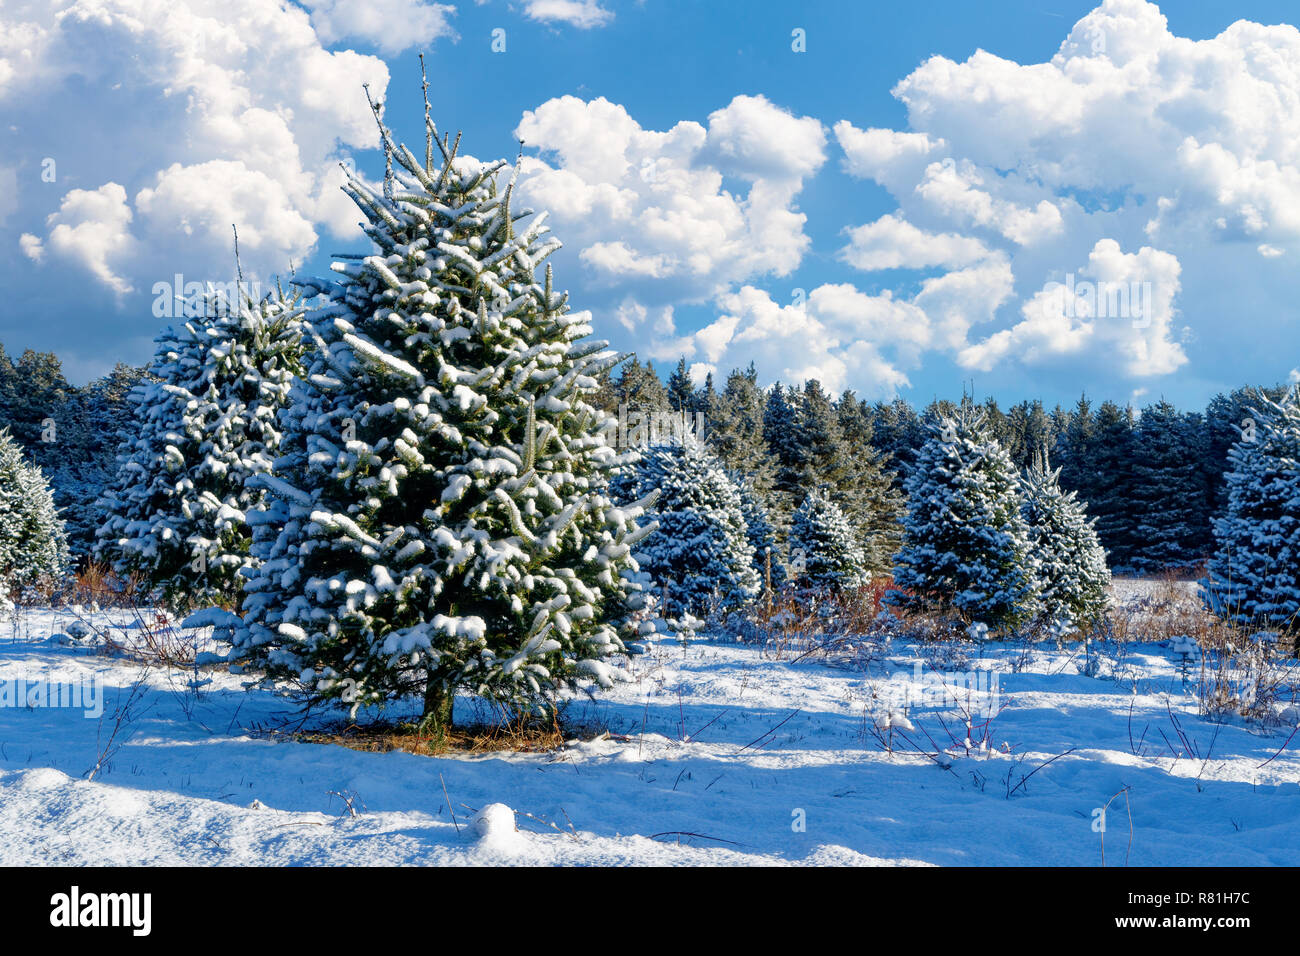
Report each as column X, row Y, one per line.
column 1133, row 157
column 894, row 243
column 583, row 14
column 652, row 213
column 205, row 113
column 390, row 25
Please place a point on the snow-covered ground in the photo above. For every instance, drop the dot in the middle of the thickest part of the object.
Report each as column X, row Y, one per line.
column 718, row 754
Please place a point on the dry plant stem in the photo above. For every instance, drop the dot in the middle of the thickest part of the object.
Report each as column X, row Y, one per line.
column 767, row 734
column 701, row 836
column 1279, row 753
column 449, row 809
column 1025, row 779
column 120, row 716
column 573, row 836
column 1129, row 809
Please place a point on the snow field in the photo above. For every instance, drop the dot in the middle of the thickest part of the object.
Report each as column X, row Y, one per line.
column 716, row 754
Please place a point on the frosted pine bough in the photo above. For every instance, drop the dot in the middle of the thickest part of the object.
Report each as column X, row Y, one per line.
column 207, row 424
column 439, row 517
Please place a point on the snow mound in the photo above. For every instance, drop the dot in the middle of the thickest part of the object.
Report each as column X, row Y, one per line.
column 495, row 826
column 43, row 778
column 599, row 747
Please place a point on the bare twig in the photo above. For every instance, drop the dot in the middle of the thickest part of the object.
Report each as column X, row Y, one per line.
column 1124, row 791
column 1279, row 753
column 1025, row 779
column 449, row 809
column 121, row 715
column 702, row 836
column 768, row 733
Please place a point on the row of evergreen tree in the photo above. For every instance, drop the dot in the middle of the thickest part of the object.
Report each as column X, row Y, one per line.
column 1153, row 478
column 69, row 432
column 980, row 541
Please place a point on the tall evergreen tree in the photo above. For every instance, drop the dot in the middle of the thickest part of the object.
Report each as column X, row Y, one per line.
column 606, row 396
column 997, row 424
column 1225, row 416
column 1110, row 494
column 869, row 497
column 71, row 433
column 640, row 389
column 821, row 456
column 705, row 398
column 898, row 433
column 681, row 389
column 735, row 433
column 1168, row 494
column 781, row 432
column 33, row 392
column 1074, row 450
column 1029, row 430
column 440, row 515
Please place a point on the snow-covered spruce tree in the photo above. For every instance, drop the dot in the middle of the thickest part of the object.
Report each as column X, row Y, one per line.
column 825, row 555
column 439, row 515
column 1072, row 572
column 700, row 558
column 1254, row 573
column 206, row 424
column 967, row 546
column 33, row 546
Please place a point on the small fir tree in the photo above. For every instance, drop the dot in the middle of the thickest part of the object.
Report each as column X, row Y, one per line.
column 967, row 547
column 1253, row 576
column 33, row 545
column 824, row 550
column 1072, row 572
column 701, row 557
column 207, row 424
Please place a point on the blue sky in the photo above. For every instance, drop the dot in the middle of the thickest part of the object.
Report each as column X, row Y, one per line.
column 926, row 196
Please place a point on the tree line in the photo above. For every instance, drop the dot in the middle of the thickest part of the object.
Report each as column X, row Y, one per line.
column 1154, row 478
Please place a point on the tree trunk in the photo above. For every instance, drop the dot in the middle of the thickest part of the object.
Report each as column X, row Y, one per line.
column 439, row 699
